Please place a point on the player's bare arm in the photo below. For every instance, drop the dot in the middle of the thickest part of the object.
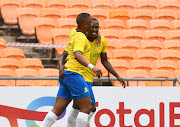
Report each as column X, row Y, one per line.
column 62, row 61
column 110, row 68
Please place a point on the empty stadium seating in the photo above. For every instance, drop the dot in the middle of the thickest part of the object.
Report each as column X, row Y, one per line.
column 6, row 73
column 60, row 36
column 36, row 4
column 60, row 4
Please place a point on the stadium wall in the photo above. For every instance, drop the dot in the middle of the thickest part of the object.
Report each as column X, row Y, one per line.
column 132, row 107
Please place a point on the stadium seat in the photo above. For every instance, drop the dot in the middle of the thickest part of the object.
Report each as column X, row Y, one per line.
column 169, row 55
column 141, row 64
column 119, row 14
column 131, row 34
column 26, row 17
column 176, row 24
column 36, row 4
column 109, row 34
column 9, row 63
column 114, row 24
column 172, row 44
column 2, row 44
column 48, row 73
column 159, row 74
column 26, row 73
column 178, row 15
column 43, row 27
column 152, row 45
column 59, row 4
column 14, row 53
column 146, row 54
column 154, row 35
column 137, row 24
column 59, row 51
column 123, row 54
column 168, row 15
column 124, row 4
column 165, row 65
column 142, row 14
column 32, row 63
column 79, row 4
column 8, row 11
column 111, row 45
column 52, row 13
column 99, row 14
column 6, row 73
column 163, row 25
column 102, row 4
column 169, row 5
column 121, row 66
column 177, row 75
column 178, row 65
column 60, row 36
column 66, row 23
column 173, row 34
column 132, row 45
column 72, row 13
column 136, row 73
column 150, row 5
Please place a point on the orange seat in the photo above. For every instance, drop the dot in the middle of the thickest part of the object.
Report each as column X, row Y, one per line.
column 124, row 4
column 176, row 24
column 168, row 15
column 131, row 34
column 172, row 44
column 154, row 35
column 111, row 45
column 60, row 36
column 169, row 5
column 178, row 14
column 142, row 14
column 2, row 44
column 121, row 66
column 52, row 13
column 173, row 34
column 80, row 4
column 48, row 73
column 43, row 27
column 114, row 24
column 59, row 4
column 102, row 4
column 132, row 45
column 177, row 75
column 99, row 14
column 25, row 18
column 136, row 73
column 72, row 13
column 159, row 74
column 26, row 73
column 121, row 14
column 103, row 70
column 14, row 53
column 32, row 63
column 141, row 64
column 36, row 4
column 109, row 34
column 163, row 25
column 178, row 65
column 66, row 23
column 152, row 45
column 137, row 24
column 59, row 51
column 146, row 54
column 6, row 73
column 165, row 65
column 123, row 54
column 169, row 55
column 8, row 11
column 150, row 5
column 9, row 63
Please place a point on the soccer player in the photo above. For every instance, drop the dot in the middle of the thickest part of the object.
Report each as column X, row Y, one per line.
column 96, row 50
column 73, row 85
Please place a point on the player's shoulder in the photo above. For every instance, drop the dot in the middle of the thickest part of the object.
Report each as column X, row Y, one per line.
column 103, row 40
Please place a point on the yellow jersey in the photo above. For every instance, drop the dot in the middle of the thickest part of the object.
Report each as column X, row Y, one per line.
column 77, row 42
column 95, row 51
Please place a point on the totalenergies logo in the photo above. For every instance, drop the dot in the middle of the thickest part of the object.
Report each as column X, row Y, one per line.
column 30, row 114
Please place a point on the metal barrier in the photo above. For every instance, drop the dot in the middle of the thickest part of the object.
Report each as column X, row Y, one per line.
column 100, row 80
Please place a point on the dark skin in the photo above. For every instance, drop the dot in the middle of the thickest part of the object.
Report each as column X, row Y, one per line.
column 92, row 35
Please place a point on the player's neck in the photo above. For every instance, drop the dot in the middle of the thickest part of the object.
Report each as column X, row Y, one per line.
column 81, row 30
column 91, row 39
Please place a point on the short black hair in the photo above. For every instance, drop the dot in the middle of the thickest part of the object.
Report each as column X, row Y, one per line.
column 82, row 18
column 94, row 19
